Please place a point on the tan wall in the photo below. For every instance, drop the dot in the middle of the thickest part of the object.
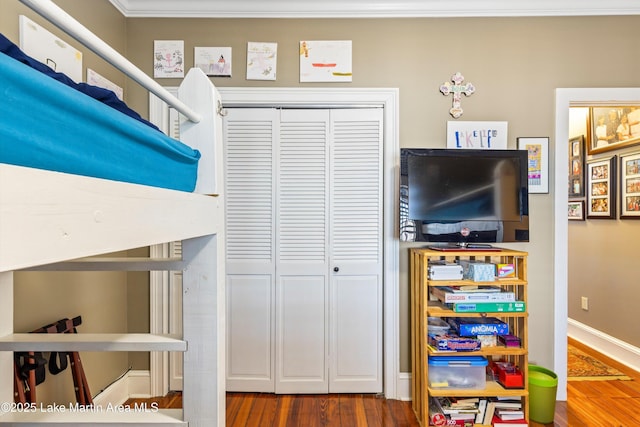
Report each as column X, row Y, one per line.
column 515, row 63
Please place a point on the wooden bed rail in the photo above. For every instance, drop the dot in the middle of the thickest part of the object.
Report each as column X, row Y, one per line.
column 64, row 21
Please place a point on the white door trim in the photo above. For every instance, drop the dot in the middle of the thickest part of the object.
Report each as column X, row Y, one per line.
column 388, row 98
column 566, row 98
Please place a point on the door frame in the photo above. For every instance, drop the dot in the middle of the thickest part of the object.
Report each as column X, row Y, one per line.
column 388, row 99
column 566, row 98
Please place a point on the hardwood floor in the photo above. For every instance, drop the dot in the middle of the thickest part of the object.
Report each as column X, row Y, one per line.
column 589, row 404
column 330, row 410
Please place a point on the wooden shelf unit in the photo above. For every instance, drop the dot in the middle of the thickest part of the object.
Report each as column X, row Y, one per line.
column 423, row 307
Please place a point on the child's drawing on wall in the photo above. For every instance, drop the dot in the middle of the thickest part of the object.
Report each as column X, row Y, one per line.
column 168, row 58
column 213, row 61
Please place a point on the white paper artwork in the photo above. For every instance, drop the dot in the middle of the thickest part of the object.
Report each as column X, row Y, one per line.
column 40, row 44
column 96, row 79
column 213, row 61
column 325, row 61
column 261, row 61
column 477, row 135
column 168, row 58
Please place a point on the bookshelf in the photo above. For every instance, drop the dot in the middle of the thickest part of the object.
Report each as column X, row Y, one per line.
column 424, row 305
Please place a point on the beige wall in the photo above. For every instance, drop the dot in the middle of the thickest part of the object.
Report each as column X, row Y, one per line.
column 515, row 64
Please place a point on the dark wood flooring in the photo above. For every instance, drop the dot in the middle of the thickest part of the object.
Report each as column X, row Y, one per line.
column 589, row 404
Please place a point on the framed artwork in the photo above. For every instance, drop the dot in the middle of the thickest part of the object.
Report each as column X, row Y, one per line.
column 601, row 188
column 576, row 210
column 613, row 127
column 576, row 166
column 538, row 167
column 630, row 186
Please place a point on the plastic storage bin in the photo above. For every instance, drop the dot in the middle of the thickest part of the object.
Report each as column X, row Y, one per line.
column 543, row 385
column 437, row 326
column 452, row 372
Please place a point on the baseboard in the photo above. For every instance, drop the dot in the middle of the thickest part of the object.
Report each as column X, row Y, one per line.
column 132, row 384
column 612, row 347
column 403, row 386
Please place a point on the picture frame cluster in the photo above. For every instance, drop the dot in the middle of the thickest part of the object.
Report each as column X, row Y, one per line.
column 594, row 192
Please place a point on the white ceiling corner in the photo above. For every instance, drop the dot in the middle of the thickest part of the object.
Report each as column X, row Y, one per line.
column 371, row 8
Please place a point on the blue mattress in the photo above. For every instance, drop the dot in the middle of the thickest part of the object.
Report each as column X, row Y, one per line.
column 45, row 124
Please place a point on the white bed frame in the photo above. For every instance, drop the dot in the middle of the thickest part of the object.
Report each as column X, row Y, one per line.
column 57, row 221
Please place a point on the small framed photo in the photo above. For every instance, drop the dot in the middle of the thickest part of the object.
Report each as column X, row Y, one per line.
column 613, row 127
column 601, row 188
column 576, row 210
column 576, row 167
column 630, row 186
column 538, row 164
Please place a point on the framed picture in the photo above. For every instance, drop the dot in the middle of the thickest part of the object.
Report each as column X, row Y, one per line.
column 630, row 186
column 538, row 167
column 613, row 127
column 601, row 189
column 576, row 210
column 576, row 166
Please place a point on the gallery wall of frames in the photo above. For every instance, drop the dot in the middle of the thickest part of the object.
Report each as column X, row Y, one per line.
column 604, row 177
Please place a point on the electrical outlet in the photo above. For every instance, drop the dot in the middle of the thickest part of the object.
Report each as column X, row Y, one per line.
column 585, row 303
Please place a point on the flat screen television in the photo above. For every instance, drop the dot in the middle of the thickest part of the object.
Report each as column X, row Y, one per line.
column 460, row 196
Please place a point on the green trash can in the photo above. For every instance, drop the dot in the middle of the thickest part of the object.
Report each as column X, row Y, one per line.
column 543, row 385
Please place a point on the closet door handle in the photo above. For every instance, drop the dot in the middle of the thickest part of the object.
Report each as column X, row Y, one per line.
column 336, row 269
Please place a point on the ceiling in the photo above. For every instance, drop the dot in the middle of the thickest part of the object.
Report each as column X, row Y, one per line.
column 372, row 8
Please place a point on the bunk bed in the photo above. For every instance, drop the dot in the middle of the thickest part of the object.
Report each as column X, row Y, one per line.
column 56, row 218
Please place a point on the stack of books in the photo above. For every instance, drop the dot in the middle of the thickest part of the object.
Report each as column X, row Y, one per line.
column 452, row 411
column 503, row 412
column 470, row 411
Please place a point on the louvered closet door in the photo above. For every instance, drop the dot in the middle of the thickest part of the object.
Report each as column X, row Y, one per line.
column 302, row 288
column 304, row 251
column 250, row 268
column 356, row 251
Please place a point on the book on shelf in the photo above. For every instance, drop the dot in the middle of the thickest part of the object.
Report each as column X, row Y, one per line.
column 488, row 414
column 507, row 403
column 482, row 407
column 469, row 289
column 448, row 296
column 463, row 416
column 509, row 414
column 497, row 422
column 453, row 406
column 488, row 307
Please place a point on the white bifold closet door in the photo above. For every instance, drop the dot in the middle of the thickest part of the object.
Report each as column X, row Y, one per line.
column 304, row 250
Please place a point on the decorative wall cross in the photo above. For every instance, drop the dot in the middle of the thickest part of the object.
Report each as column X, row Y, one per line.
column 457, row 88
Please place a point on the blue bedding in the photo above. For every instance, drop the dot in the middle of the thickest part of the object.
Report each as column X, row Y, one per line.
column 46, row 124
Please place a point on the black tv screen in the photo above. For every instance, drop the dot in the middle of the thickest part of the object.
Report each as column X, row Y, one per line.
column 464, row 196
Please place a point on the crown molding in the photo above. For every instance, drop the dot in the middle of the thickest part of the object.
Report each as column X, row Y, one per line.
column 371, row 8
